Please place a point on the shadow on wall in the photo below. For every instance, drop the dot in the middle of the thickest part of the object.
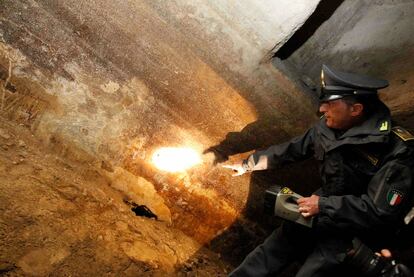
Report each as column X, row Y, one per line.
column 240, row 238
column 250, row 230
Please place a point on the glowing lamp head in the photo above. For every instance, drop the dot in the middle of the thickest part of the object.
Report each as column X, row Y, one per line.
column 174, row 159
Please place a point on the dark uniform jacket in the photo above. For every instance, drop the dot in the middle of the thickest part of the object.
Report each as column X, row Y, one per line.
column 367, row 174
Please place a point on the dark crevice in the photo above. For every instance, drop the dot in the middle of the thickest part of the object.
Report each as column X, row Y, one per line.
column 10, row 87
column 323, row 12
column 140, row 210
column 6, row 267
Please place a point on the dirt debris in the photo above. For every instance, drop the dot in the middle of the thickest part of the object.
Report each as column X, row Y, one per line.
column 58, row 218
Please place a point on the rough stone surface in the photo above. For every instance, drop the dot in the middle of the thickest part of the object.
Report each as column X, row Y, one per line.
column 108, row 82
column 62, row 218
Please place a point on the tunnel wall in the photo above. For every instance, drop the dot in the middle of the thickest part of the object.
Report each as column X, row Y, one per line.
column 108, row 82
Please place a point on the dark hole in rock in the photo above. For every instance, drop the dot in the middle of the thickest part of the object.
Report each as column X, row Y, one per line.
column 141, row 210
column 11, row 88
column 6, row 267
column 107, row 166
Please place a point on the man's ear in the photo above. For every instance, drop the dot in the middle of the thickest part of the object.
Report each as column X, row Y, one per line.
column 357, row 109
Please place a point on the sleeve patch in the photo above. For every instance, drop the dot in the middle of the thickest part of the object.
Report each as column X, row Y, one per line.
column 394, row 197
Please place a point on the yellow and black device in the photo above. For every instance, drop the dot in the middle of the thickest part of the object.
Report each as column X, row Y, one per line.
column 281, row 202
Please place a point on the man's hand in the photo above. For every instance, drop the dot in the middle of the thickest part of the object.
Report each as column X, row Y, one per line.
column 385, row 253
column 309, row 206
column 236, row 167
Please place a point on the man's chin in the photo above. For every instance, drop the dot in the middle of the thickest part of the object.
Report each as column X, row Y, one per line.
column 335, row 127
column 331, row 125
column 328, row 123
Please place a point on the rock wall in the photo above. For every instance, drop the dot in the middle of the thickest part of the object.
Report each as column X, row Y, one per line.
column 109, row 82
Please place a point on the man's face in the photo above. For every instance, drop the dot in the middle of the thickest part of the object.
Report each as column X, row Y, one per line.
column 338, row 114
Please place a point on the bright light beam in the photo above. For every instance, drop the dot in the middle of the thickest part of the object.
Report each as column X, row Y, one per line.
column 175, row 159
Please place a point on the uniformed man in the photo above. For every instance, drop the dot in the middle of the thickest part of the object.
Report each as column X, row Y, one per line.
column 366, row 165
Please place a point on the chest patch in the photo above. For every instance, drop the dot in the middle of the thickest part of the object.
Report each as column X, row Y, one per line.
column 394, row 197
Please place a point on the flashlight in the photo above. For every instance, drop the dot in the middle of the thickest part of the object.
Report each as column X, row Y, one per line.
column 175, row 159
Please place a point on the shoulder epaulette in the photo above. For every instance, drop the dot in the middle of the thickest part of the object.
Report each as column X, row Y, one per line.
column 402, row 133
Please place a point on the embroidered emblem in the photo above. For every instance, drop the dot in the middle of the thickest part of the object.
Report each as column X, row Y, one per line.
column 384, row 126
column 394, row 197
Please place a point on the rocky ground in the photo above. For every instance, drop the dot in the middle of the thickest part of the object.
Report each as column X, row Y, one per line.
column 61, row 218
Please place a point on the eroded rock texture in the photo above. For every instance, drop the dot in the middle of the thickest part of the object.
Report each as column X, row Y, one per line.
column 109, row 82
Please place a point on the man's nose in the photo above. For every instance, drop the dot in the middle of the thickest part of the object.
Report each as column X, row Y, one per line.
column 323, row 107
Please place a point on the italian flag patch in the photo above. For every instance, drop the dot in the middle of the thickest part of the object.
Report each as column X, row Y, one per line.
column 394, row 197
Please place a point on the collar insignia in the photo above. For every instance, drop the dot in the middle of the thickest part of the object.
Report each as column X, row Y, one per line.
column 384, row 126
